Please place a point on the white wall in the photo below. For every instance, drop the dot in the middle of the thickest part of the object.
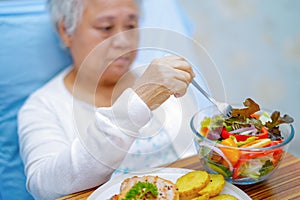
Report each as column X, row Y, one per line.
column 256, row 47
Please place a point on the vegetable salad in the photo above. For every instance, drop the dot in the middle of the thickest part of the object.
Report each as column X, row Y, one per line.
column 239, row 135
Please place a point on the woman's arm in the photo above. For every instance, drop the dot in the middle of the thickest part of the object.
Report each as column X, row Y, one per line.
column 58, row 162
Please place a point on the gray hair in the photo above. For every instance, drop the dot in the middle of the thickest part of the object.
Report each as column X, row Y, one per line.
column 69, row 11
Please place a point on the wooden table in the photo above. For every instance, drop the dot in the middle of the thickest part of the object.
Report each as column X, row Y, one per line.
column 284, row 184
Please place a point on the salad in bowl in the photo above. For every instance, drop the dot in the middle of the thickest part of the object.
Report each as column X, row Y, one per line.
column 247, row 147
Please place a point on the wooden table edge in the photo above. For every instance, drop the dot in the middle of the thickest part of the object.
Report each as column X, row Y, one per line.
column 189, row 163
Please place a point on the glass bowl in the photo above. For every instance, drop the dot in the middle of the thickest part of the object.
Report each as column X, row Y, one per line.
column 241, row 166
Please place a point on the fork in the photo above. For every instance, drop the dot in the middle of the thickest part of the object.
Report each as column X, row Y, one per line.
column 224, row 108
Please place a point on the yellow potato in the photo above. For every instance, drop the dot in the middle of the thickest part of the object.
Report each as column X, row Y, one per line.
column 191, row 183
column 203, row 197
column 224, row 197
column 215, row 186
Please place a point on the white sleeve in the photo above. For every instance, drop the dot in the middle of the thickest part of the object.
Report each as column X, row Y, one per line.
column 118, row 126
column 57, row 164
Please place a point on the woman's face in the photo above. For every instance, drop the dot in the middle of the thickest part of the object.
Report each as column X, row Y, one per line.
column 102, row 19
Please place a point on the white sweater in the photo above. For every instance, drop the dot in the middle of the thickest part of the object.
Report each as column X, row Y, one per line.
column 68, row 146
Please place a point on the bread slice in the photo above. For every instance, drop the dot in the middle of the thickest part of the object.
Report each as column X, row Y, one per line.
column 166, row 189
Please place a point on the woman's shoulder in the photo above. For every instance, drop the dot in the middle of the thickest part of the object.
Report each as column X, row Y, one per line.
column 54, row 89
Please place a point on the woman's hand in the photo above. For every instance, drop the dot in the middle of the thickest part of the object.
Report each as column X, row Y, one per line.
column 166, row 76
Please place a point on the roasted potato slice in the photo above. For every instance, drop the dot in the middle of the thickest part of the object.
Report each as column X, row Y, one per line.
column 191, row 183
column 203, row 197
column 215, row 186
column 224, row 197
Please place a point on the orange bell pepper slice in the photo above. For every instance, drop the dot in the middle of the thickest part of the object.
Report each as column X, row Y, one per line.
column 232, row 152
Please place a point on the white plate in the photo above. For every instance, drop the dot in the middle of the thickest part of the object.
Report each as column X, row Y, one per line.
column 112, row 187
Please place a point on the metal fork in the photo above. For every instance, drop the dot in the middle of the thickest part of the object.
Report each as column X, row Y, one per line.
column 224, row 108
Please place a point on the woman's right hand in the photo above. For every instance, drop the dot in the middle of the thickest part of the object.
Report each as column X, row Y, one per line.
column 166, row 76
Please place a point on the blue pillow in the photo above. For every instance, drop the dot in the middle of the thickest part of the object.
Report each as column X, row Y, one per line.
column 30, row 55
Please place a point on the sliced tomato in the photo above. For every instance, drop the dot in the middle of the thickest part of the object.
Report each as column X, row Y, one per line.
column 240, row 138
column 225, row 134
column 264, row 133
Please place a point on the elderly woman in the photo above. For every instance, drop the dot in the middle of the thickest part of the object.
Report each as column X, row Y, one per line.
column 99, row 117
